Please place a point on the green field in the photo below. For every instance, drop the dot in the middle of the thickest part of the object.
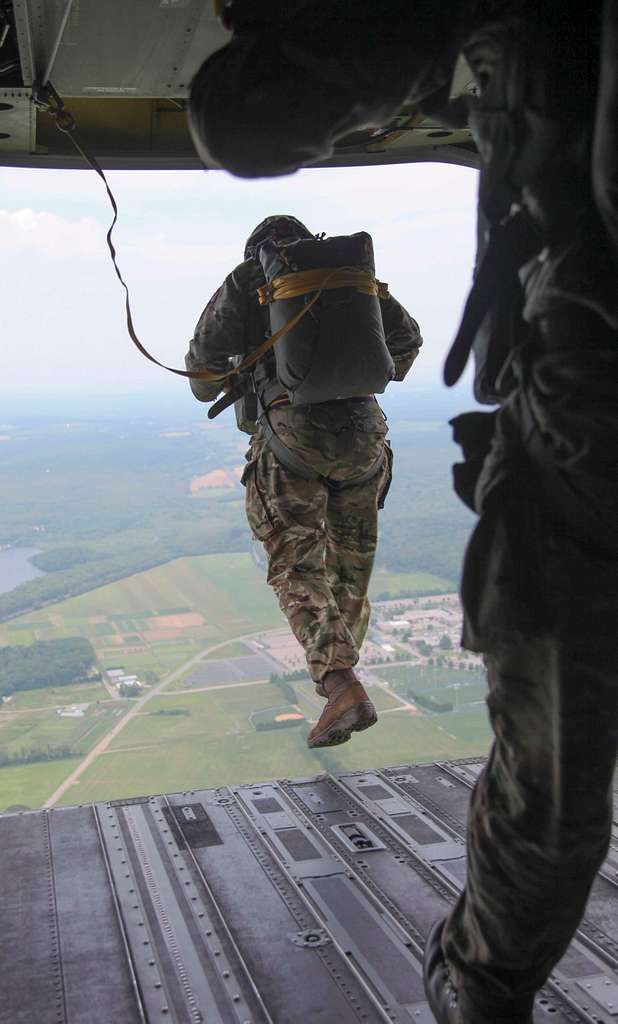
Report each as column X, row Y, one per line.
column 233, row 650
column 29, row 785
column 158, row 659
column 408, row 583
column 40, row 729
column 460, row 687
column 59, row 696
column 209, row 740
column 229, row 591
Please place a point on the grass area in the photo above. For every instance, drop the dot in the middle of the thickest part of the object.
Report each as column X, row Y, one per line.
column 29, row 785
column 428, row 677
column 383, row 581
column 57, row 696
column 209, row 741
column 402, row 738
column 233, row 650
column 41, row 729
column 228, row 590
column 382, row 701
column 183, row 683
column 208, row 715
column 159, row 658
column 199, row 762
column 196, row 763
column 268, row 716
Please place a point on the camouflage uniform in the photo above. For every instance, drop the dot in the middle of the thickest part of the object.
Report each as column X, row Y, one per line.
column 540, row 590
column 320, row 540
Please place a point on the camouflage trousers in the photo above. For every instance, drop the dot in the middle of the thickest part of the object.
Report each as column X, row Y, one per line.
column 320, row 543
column 540, row 597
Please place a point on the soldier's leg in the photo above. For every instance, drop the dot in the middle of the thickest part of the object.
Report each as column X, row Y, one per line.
column 351, row 540
column 287, row 513
column 539, row 824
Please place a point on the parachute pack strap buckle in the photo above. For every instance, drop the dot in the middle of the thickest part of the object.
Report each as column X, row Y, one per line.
column 292, row 461
column 303, row 282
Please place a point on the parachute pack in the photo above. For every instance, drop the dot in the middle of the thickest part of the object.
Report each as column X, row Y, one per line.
column 323, row 302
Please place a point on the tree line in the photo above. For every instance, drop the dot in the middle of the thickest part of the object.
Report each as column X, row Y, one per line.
column 45, row 663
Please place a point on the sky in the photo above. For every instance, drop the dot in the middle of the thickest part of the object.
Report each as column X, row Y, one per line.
column 179, row 233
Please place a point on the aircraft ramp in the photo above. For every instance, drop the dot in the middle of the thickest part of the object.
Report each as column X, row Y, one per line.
column 292, row 901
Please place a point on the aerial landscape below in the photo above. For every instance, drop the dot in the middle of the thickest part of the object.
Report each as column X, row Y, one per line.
column 189, row 675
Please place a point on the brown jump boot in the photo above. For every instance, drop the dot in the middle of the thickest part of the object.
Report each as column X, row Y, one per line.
column 348, row 709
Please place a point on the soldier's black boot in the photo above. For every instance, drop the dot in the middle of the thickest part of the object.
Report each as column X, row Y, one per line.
column 439, row 988
column 446, row 1003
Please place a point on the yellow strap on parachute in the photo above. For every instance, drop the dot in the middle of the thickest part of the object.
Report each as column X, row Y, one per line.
column 302, row 282
column 290, row 286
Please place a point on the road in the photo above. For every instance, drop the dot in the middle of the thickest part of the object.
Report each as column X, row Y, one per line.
column 134, row 710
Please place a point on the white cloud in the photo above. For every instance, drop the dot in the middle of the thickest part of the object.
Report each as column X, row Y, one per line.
column 47, row 233
column 179, row 233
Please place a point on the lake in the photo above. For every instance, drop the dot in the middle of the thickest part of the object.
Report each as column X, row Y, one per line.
column 15, row 568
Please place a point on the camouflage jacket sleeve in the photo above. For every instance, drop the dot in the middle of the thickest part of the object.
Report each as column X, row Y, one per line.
column 403, row 335
column 220, row 334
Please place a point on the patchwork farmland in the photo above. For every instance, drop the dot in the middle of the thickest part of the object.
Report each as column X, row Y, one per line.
column 205, row 635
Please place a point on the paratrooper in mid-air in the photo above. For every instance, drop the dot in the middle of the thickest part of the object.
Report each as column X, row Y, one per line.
column 319, row 465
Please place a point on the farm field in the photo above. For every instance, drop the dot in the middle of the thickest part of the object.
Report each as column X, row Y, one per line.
column 156, row 620
column 151, row 624
column 222, row 595
column 43, row 731
column 186, row 741
column 47, row 728
column 28, row 785
column 402, row 737
column 409, row 583
column 60, row 696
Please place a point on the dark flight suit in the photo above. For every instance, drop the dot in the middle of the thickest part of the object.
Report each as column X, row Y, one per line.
column 320, row 541
column 540, row 578
column 539, row 589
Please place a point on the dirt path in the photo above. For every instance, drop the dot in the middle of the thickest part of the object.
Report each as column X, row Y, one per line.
column 135, row 709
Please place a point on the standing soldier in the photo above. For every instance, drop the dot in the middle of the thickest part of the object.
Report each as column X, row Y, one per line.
column 319, row 466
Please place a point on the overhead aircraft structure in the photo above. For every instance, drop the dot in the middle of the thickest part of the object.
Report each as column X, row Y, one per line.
column 124, row 67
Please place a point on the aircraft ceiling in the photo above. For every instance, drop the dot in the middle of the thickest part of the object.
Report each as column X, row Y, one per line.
column 124, row 67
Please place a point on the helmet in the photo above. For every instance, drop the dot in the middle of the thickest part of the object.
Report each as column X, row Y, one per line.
column 281, row 226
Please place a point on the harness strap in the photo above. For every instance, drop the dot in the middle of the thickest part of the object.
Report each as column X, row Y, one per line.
column 292, row 461
column 302, row 282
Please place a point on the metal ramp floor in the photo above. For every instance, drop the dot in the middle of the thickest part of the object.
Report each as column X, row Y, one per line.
column 288, row 902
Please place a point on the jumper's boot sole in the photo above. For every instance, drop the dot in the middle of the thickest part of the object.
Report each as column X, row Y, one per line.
column 352, row 711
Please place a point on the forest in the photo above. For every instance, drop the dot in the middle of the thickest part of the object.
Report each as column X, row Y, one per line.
column 103, row 499
column 45, row 663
